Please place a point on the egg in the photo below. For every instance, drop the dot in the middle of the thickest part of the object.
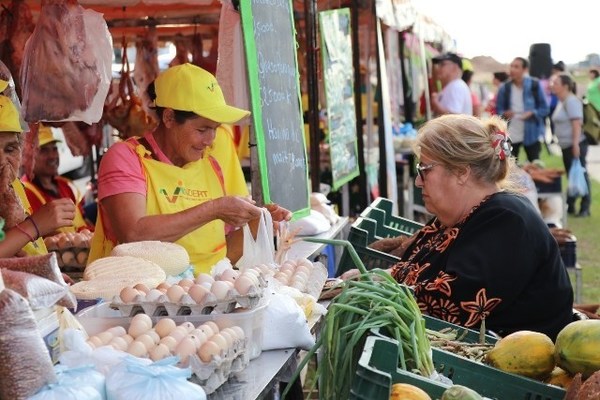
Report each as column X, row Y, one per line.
column 146, row 340
column 185, row 348
column 220, row 340
column 119, row 343
column 291, row 263
column 178, row 334
column 254, row 277
column 63, row 242
column 186, row 283
column 105, row 337
column 283, row 278
column 305, row 262
column 128, row 338
column 117, row 331
column 200, row 335
column 159, row 352
column 253, row 272
column 95, row 341
column 196, row 339
column 164, row 327
column 140, row 324
column 239, row 331
column 229, row 275
column 153, row 295
column 78, row 240
column 198, row 293
column 243, row 284
column 304, row 269
column 229, row 338
column 137, row 349
column 174, row 293
column 204, row 278
column 207, row 330
column 220, row 289
column 208, row 351
column 163, row 287
column 142, row 288
column 154, row 335
column 128, row 294
column 287, row 267
column 213, row 326
column 168, row 341
column 188, row 326
column 206, row 285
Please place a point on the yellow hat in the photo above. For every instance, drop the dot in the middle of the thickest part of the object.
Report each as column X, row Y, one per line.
column 9, row 116
column 187, row 87
column 46, row 136
column 3, row 85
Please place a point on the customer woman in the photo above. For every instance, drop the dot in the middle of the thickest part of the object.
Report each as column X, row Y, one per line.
column 166, row 186
column 23, row 228
column 568, row 119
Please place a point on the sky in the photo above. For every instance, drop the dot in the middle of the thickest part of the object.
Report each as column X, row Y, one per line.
column 504, row 29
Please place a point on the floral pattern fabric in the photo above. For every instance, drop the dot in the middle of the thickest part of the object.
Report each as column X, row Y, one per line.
column 500, row 263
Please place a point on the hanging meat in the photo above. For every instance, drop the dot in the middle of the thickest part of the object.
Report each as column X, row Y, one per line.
column 16, row 25
column 125, row 112
column 209, row 62
column 67, row 64
column 146, row 64
column 182, row 51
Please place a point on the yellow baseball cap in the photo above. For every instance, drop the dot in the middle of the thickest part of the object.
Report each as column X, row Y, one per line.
column 46, row 136
column 9, row 116
column 188, row 87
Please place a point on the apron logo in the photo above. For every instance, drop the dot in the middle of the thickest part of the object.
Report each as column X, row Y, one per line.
column 181, row 191
column 211, row 87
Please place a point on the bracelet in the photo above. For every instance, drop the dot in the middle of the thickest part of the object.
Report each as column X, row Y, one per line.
column 31, row 239
column 37, row 230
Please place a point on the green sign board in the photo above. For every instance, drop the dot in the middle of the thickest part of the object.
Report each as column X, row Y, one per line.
column 336, row 50
column 270, row 42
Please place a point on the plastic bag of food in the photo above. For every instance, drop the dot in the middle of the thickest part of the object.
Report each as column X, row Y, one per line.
column 161, row 380
column 60, row 391
column 261, row 250
column 85, row 375
column 285, row 325
column 78, row 353
column 40, row 292
column 66, row 78
column 45, row 266
column 25, row 364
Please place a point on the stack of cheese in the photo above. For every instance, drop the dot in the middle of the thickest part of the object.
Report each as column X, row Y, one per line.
column 171, row 257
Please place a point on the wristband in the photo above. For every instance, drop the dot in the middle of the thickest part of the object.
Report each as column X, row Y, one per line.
column 37, row 230
column 24, row 232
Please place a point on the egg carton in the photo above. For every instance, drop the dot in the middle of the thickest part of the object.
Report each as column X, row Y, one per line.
column 315, row 282
column 214, row 374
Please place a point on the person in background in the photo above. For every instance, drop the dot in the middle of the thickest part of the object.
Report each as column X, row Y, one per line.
column 467, row 76
column 568, row 120
column 522, row 102
column 47, row 185
column 24, row 228
column 166, row 185
column 498, row 79
column 455, row 97
column 593, row 89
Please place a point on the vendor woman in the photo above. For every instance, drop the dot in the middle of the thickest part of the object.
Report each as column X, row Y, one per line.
column 23, row 227
column 166, row 186
column 487, row 254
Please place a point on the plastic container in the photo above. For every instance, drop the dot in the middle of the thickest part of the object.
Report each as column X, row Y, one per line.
column 101, row 317
column 393, row 221
column 377, row 370
column 467, row 335
column 390, row 226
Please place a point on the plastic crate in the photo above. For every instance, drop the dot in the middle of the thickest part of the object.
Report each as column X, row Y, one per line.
column 403, row 224
column 471, row 336
column 377, row 370
column 381, row 229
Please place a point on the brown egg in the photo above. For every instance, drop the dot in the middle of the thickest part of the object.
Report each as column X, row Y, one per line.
column 197, row 293
column 137, row 349
column 174, row 293
column 128, row 294
column 185, row 348
column 142, row 288
column 168, row 341
column 186, row 283
column 208, row 351
column 159, row 352
column 164, row 327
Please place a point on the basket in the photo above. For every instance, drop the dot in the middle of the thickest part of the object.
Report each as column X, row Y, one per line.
column 377, row 370
column 392, row 221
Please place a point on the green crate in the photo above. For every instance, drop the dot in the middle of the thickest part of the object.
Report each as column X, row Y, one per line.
column 377, row 370
column 381, row 229
column 471, row 336
column 377, row 228
column 391, row 220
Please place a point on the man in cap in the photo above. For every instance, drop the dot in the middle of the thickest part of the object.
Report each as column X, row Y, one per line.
column 46, row 184
column 455, row 97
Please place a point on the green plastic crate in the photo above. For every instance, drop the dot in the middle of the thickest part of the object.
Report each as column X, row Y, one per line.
column 471, row 335
column 381, row 229
column 391, row 220
column 377, row 370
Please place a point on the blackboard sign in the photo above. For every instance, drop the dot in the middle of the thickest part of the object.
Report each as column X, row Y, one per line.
column 269, row 38
column 336, row 50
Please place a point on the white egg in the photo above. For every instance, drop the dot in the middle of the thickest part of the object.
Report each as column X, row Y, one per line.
column 304, row 269
column 186, row 282
column 229, row 338
column 146, row 340
column 300, row 275
column 117, row 330
column 174, row 293
column 213, row 326
column 159, row 352
column 239, row 331
column 220, row 340
column 287, row 267
column 200, row 335
column 137, row 349
column 153, row 295
column 105, row 337
column 220, row 289
column 229, row 275
column 119, row 343
column 168, row 341
column 204, row 278
column 188, row 326
column 154, row 335
column 243, row 284
column 128, row 294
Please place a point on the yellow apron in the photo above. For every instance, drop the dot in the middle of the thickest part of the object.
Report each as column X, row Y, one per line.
column 38, row 247
column 171, row 189
column 78, row 221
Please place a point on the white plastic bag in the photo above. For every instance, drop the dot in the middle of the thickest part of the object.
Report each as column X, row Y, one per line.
column 58, row 391
column 133, row 379
column 261, row 250
column 285, row 325
column 79, row 377
column 577, row 183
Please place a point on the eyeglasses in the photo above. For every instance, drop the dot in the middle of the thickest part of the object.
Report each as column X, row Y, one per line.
column 422, row 168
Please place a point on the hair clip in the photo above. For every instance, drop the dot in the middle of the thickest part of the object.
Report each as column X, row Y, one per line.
column 502, row 145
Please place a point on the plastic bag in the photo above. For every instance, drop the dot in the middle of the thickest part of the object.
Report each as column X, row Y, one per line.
column 40, row 292
column 261, row 250
column 285, row 325
column 134, row 379
column 577, row 184
column 85, row 375
column 59, row 391
column 66, row 78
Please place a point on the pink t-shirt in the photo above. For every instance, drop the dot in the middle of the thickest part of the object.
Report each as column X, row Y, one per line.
column 121, row 170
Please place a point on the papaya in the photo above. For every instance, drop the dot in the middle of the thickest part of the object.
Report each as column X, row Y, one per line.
column 577, row 345
column 525, row 353
column 559, row 377
column 459, row 392
column 404, row 391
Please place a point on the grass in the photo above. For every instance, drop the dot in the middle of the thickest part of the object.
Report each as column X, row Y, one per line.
column 587, row 231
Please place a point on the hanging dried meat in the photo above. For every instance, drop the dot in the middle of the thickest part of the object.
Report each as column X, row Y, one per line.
column 125, row 111
column 16, row 25
column 182, row 52
column 66, row 69
column 146, row 64
column 209, row 62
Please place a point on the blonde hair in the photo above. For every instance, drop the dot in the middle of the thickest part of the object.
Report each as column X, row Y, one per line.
column 459, row 141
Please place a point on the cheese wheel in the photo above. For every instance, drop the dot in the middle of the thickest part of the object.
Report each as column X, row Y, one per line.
column 171, row 257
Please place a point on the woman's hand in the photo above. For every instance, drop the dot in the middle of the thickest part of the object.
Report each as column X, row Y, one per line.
column 235, row 210
column 53, row 215
column 576, row 150
column 278, row 213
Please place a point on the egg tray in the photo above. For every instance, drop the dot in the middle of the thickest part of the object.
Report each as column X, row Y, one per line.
column 215, row 373
column 187, row 306
column 74, row 265
column 315, row 282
